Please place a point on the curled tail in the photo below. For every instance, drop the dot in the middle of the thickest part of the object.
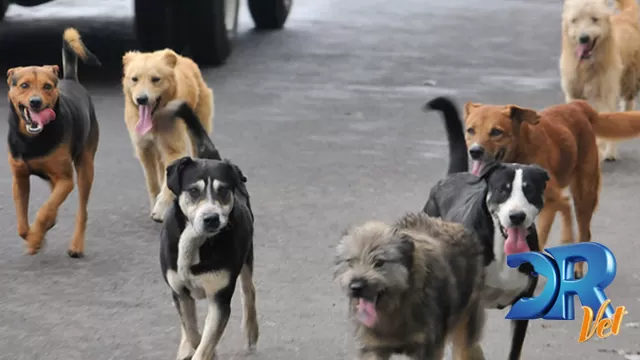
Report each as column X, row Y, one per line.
column 165, row 118
column 72, row 49
column 627, row 5
column 616, row 125
column 458, row 161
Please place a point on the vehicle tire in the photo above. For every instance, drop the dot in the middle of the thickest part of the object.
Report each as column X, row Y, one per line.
column 4, row 5
column 153, row 24
column 269, row 14
column 208, row 40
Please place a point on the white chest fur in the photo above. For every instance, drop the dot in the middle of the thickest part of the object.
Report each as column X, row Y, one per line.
column 502, row 283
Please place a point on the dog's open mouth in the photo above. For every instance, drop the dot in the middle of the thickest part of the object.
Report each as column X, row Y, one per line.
column 145, row 115
column 366, row 310
column 584, row 51
column 478, row 165
column 35, row 121
column 515, row 239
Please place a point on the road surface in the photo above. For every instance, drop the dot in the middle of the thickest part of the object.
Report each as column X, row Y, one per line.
column 325, row 120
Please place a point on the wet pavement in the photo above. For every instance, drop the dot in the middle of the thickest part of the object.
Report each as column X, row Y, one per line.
column 325, row 120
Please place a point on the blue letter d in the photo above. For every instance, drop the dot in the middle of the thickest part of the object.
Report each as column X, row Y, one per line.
column 535, row 307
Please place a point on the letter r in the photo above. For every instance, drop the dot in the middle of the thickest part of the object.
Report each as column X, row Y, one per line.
column 535, row 307
column 590, row 289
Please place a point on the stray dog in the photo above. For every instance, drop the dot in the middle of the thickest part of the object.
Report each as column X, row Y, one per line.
column 52, row 129
column 149, row 82
column 207, row 242
column 600, row 59
column 412, row 286
column 500, row 206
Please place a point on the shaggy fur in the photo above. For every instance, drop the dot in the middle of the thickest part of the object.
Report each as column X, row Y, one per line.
column 600, row 59
column 411, row 287
column 149, row 82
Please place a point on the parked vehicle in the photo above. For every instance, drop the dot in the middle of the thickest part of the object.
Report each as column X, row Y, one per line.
column 199, row 28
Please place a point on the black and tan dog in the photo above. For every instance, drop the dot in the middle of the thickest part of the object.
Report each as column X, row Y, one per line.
column 52, row 129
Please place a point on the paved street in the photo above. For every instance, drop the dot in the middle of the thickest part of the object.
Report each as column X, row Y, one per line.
column 325, row 120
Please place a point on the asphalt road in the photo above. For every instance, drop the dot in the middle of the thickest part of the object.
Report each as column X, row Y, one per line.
column 324, row 119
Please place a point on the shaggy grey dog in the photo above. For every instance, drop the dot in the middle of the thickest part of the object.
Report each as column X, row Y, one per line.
column 411, row 287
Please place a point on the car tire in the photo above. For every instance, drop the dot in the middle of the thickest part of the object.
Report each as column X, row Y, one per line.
column 208, row 40
column 153, row 24
column 269, row 14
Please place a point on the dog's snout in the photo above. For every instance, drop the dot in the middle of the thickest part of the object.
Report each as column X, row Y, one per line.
column 476, row 152
column 212, row 221
column 357, row 286
column 584, row 39
column 142, row 99
column 35, row 102
column 517, row 218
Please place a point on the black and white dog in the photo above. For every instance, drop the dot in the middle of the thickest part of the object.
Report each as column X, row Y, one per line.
column 207, row 241
column 500, row 206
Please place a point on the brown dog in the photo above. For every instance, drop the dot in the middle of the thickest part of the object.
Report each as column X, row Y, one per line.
column 562, row 140
column 52, row 129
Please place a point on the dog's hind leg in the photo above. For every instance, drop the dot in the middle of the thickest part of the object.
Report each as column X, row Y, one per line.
column 249, row 315
column 467, row 334
column 85, row 172
column 190, row 336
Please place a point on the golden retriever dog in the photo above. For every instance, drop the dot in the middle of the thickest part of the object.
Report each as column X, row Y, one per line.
column 600, row 59
column 149, row 82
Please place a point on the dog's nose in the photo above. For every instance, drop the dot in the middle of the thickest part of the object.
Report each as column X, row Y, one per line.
column 356, row 286
column 211, row 221
column 142, row 100
column 584, row 39
column 517, row 217
column 476, row 152
column 35, row 102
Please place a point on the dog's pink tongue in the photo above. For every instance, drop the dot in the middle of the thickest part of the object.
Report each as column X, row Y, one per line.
column 582, row 50
column 43, row 117
column 516, row 241
column 144, row 120
column 367, row 314
column 476, row 166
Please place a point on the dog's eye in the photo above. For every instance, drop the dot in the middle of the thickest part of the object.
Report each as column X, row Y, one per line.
column 194, row 192
column 378, row 263
column 471, row 131
column 24, row 85
column 155, row 79
column 495, row 132
column 594, row 19
column 47, row 86
column 134, row 79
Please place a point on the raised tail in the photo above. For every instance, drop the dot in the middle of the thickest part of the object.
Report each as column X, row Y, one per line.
column 165, row 118
column 72, row 49
column 458, row 161
column 627, row 5
column 617, row 125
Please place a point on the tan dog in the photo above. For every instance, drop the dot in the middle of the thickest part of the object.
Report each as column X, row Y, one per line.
column 150, row 81
column 562, row 140
column 600, row 60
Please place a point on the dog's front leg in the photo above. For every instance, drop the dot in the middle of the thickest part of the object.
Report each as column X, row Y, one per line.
column 217, row 317
column 45, row 219
column 21, row 189
column 608, row 102
column 190, row 336
column 172, row 147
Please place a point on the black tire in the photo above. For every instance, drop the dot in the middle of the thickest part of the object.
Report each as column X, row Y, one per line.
column 269, row 14
column 152, row 24
column 208, row 41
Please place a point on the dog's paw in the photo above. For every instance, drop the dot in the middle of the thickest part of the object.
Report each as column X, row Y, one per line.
column 610, row 158
column 75, row 254
column 160, row 209
column 35, row 242
column 185, row 352
column 23, row 231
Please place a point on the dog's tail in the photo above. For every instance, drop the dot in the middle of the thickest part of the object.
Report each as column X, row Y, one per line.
column 616, row 125
column 72, row 49
column 627, row 5
column 166, row 117
column 458, row 161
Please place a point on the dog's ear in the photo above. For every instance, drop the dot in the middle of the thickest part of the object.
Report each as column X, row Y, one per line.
column 521, row 115
column 541, row 172
column 236, row 170
column 53, row 68
column 128, row 57
column 11, row 81
column 174, row 173
column 170, row 58
column 469, row 107
column 489, row 168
